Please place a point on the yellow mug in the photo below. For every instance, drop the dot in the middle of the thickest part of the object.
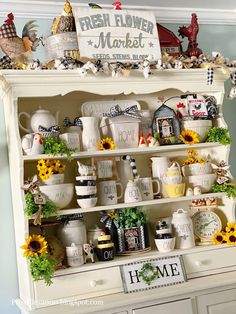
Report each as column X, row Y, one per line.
column 175, row 190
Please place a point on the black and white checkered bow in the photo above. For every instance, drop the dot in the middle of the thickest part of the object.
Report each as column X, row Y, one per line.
column 77, row 122
column 210, row 73
column 116, row 111
column 52, row 129
column 233, row 77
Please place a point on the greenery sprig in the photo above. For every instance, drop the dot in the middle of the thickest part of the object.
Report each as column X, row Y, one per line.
column 148, row 273
column 55, row 146
column 47, row 210
column 42, row 267
column 130, row 217
column 220, row 135
column 230, row 190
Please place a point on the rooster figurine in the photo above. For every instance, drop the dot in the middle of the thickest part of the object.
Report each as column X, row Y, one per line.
column 14, row 46
column 191, row 32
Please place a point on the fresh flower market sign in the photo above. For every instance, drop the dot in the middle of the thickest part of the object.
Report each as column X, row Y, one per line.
column 117, row 35
column 153, row 273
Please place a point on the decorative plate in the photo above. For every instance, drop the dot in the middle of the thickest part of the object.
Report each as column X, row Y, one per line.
column 127, row 253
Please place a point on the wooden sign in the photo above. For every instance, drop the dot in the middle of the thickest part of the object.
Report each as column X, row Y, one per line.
column 117, row 35
column 153, row 273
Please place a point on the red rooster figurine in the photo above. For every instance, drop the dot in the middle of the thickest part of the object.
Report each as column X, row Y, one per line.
column 14, row 46
column 191, row 32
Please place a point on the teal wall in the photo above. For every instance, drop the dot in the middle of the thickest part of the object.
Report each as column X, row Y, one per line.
column 211, row 38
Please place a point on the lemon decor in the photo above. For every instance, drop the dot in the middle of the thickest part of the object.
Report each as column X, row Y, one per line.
column 47, row 167
column 148, row 273
column 193, row 158
column 41, row 265
column 106, row 144
column 228, row 235
column 189, row 137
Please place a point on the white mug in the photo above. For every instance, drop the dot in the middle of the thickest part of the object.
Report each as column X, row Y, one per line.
column 74, row 254
column 145, row 186
column 71, row 140
column 107, row 192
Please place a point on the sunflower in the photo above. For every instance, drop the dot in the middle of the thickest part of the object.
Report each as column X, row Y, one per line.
column 41, row 164
column 192, row 152
column 189, row 137
column 189, row 161
column 200, row 160
column 106, row 144
column 230, row 238
column 231, row 227
column 44, row 174
column 35, row 245
column 218, row 238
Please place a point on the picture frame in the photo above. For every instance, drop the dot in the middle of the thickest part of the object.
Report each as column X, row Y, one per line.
column 105, row 168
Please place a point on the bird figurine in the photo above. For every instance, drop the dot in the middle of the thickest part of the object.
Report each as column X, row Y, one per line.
column 117, row 5
column 85, row 170
column 65, row 22
column 32, row 144
column 13, row 45
column 191, row 32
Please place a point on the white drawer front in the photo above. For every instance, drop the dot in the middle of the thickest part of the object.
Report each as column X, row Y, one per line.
column 209, row 260
column 83, row 285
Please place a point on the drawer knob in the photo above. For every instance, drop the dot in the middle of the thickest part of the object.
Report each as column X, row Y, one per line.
column 198, row 263
column 93, row 283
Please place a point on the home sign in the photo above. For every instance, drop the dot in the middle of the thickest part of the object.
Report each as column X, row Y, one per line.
column 113, row 35
column 153, row 273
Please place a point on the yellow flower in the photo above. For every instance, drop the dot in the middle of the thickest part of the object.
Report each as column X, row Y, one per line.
column 41, row 164
column 189, row 161
column 192, row 152
column 231, row 226
column 200, row 160
column 218, row 238
column 189, row 137
column 106, row 144
column 45, row 173
column 60, row 169
column 230, row 238
column 35, row 245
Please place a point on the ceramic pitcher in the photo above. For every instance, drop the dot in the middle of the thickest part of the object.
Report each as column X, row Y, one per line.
column 90, row 134
column 160, row 166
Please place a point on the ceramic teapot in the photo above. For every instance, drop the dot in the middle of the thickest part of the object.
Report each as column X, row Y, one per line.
column 39, row 117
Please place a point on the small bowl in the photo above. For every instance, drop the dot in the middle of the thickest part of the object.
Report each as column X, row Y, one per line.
column 60, row 194
column 87, row 202
column 175, row 190
column 197, row 169
column 86, row 181
column 201, row 127
column 204, row 181
column 85, row 190
column 165, row 245
column 57, row 178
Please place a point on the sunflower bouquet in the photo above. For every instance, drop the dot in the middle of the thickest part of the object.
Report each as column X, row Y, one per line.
column 228, row 235
column 42, row 266
column 193, row 158
column 106, row 144
column 47, row 167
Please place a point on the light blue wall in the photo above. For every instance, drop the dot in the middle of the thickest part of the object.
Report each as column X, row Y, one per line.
column 211, row 38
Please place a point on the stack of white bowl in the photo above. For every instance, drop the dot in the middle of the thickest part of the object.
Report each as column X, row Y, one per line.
column 199, row 175
column 86, row 191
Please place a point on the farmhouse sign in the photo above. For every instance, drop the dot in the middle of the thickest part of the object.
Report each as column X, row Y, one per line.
column 117, row 35
column 153, row 273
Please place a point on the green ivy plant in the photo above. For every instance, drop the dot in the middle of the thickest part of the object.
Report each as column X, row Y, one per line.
column 55, row 146
column 220, row 135
column 230, row 190
column 42, row 267
column 148, row 273
column 130, row 217
column 49, row 209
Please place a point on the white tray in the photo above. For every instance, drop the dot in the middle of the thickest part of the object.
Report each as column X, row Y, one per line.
column 97, row 108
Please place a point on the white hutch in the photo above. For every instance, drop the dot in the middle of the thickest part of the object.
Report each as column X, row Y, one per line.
column 98, row 288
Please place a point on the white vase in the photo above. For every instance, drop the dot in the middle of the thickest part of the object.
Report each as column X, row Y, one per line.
column 160, row 166
column 73, row 231
column 90, row 134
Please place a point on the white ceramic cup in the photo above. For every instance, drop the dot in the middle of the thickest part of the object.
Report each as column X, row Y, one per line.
column 74, row 254
column 86, row 190
column 107, row 192
column 165, row 245
column 72, row 140
column 145, row 186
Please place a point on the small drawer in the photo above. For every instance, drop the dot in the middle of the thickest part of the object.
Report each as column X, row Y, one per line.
column 82, row 285
column 209, row 260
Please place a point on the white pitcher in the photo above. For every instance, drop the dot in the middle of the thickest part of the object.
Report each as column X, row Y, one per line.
column 160, row 166
column 91, row 134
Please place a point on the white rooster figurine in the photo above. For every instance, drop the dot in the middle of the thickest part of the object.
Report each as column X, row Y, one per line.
column 33, row 145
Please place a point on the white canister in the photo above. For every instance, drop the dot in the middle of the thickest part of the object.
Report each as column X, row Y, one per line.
column 72, row 231
column 132, row 193
column 183, row 229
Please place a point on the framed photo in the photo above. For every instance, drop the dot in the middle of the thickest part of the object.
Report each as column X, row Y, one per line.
column 105, row 168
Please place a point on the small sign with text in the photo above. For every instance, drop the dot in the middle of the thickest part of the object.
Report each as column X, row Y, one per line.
column 153, row 273
column 117, row 36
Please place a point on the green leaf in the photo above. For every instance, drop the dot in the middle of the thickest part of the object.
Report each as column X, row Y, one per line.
column 55, row 146
column 42, row 267
column 230, row 190
column 220, row 135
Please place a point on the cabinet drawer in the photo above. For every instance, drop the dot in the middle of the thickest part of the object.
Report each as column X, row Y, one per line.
column 209, row 260
column 83, row 285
